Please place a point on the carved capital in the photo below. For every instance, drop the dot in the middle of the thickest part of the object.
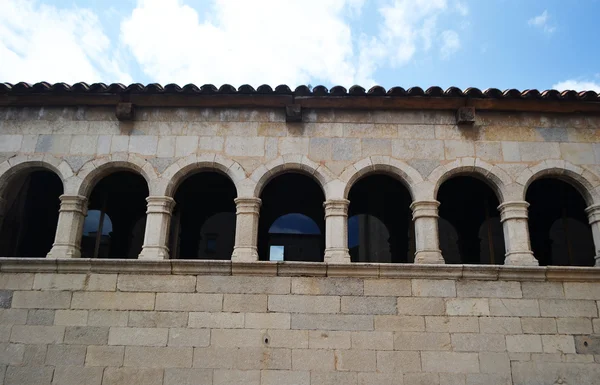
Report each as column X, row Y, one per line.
column 160, row 205
column 247, row 205
column 425, row 209
column 513, row 210
column 73, row 203
column 336, row 207
column 593, row 213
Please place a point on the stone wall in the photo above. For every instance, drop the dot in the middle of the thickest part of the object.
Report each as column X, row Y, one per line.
column 176, row 323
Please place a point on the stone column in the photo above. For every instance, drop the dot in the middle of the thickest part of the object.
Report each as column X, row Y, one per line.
column 427, row 242
column 513, row 215
column 67, row 242
column 246, row 229
column 593, row 213
column 158, row 222
column 336, row 231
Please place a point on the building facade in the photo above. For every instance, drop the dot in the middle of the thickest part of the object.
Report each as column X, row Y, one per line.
column 219, row 236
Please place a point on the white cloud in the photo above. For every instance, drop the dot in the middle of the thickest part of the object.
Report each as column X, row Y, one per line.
column 542, row 22
column 577, row 85
column 42, row 43
column 461, row 8
column 450, row 44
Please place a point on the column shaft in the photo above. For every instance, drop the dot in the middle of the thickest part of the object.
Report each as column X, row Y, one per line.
column 593, row 213
column 513, row 216
column 67, row 242
column 336, row 231
column 158, row 223
column 427, row 244
column 246, row 229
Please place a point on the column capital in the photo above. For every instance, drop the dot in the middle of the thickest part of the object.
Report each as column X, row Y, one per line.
column 513, row 210
column 593, row 213
column 425, row 209
column 73, row 203
column 247, row 205
column 160, row 204
column 336, row 207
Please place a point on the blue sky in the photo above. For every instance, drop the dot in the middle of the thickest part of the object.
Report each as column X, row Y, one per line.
column 464, row 43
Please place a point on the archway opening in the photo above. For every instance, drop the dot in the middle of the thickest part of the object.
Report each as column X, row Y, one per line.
column 28, row 226
column 292, row 219
column 380, row 227
column 469, row 222
column 203, row 223
column 116, row 220
column 558, row 225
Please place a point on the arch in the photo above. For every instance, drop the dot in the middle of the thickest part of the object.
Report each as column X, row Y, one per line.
column 581, row 179
column 292, row 163
column 94, row 170
column 496, row 178
column 176, row 173
column 399, row 170
column 19, row 164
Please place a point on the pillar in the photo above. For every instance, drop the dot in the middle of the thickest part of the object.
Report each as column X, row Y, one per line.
column 513, row 215
column 593, row 213
column 246, row 229
column 427, row 242
column 71, row 215
column 158, row 222
column 336, row 231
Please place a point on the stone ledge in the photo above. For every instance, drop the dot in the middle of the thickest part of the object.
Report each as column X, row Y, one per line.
column 307, row 269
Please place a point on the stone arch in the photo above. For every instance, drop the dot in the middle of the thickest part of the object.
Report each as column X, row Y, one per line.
column 175, row 174
column 301, row 164
column 397, row 169
column 584, row 181
column 94, row 170
column 16, row 165
column 492, row 175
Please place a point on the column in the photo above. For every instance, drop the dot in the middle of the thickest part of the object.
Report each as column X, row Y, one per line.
column 336, row 231
column 427, row 243
column 593, row 213
column 158, row 222
column 67, row 243
column 246, row 229
column 513, row 216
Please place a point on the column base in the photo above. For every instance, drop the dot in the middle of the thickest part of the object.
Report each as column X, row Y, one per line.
column 524, row 258
column 154, row 253
column 64, row 252
column 337, row 255
column 429, row 257
column 244, row 254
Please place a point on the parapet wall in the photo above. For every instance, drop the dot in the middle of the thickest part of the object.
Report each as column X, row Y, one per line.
column 209, row 322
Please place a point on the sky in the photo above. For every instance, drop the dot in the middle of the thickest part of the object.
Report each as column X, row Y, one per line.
column 463, row 43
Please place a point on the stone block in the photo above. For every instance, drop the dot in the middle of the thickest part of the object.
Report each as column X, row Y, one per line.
column 143, row 144
column 84, row 144
column 489, row 151
column 488, row 379
column 166, row 146
column 313, row 359
column 28, row 144
column 416, row 148
column 524, row 343
column 328, row 339
column 236, row 377
column 21, row 375
column 231, row 338
column 558, row 344
column 132, row 376
column 104, row 355
column 356, row 360
column 119, row 143
column 372, row 340
column 500, row 325
column 421, row 341
column 292, row 145
column 13, row 316
column 267, row 321
column 22, row 281
column 5, row 333
column 103, row 147
column 53, row 144
column 320, row 149
column 188, row 337
column 577, row 153
column 278, row 377
column 189, row 302
column 70, row 375
column 107, row 318
column 304, row 304
column 113, row 301
column 71, row 317
column 467, row 306
column 534, row 373
column 375, row 147
column 458, row 148
column 216, row 320
column 514, row 307
column 154, row 283
column 86, row 335
column 450, row 362
column 433, row 288
column 10, row 143
column 138, row 336
column 40, row 317
column 101, row 282
column 297, row 339
column 186, row 145
column 26, row 334
column 489, row 289
column 534, row 325
column 452, row 324
column 421, row 378
column 245, row 303
column 245, row 146
column 421, row 306
column 568, row 308
column 158, row 357
column 157, row 319
column 181, row 376
column 65, row 355
column 245, row 358
column 492, row 362
column 332, row 322
column 326, row 286
column 11, row 354
column 398, row 362
column 41, row 299
column 35, row 355
column 540, row 290
column 211, row 143
column 470, row 342
column 345, row 149
column 387, row 287
column 399, row 323
column 582, row 290
column 369, row 305
column 369, row 378
column 243, row 284
column 574, row 325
